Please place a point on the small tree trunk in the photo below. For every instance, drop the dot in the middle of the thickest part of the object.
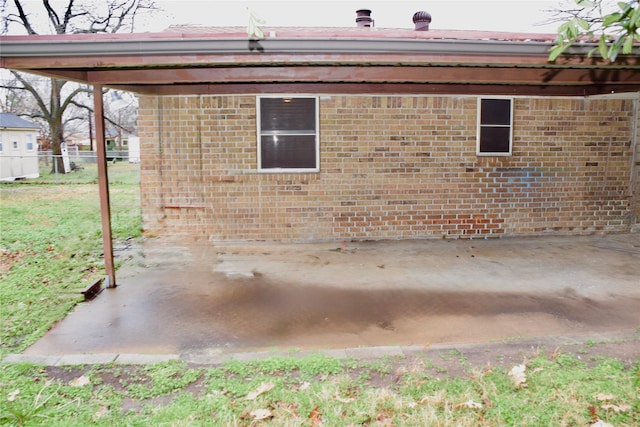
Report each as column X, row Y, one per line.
column 57, row 127
column 56, row 151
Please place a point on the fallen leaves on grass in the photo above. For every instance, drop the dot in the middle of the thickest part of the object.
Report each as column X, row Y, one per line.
column 469, row 404
column 290, row 408
column 604, row 397
column 315, row 417
column 261, row 414
column 262, row 388
column 343, row 399
column 518, row 375
column 385, row 419
column 430, row 399
column 486, row 402
column 80, row 381
column 304, row 386
column 101, row 412
column 13, row 395
column 7, row 259
column 616, row 408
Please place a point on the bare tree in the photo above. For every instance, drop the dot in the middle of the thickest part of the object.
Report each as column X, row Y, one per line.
column 55, row 106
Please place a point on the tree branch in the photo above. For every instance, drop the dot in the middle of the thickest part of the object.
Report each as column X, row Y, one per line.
column 73, row 118
column 29, row 87
column 53, row 16
column 24, row 20
column 117, row 125
column 69, row 99
column 84, row 107
column 124, row 13
column 120, row 15
column 68, row 15
column 12, row 87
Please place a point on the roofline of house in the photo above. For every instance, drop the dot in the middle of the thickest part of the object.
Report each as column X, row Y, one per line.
column 19, row 46
column 8, row 122
column 18, row 128
column 164, row 64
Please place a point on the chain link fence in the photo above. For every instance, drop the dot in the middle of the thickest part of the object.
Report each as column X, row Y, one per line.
column 77, row 167
column 43, row 169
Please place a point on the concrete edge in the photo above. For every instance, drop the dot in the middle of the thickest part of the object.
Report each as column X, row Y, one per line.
column 216, row 356
column 144, row 359
column 86, row 359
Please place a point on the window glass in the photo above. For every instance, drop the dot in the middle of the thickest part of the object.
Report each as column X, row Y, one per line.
column 494, row 126
column 494, row 140
column 29, row 139
column 496, row 112
column 288, row 134
column 291, row 151
column 288, row 114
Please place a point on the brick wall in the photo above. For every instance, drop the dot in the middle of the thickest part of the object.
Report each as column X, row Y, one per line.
column 634, row 217
column 391, row 167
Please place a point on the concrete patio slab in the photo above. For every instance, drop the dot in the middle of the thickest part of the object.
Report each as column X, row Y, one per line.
column 206, row 301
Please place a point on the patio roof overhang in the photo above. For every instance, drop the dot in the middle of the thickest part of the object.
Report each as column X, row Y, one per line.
column 169, row 64
column 344, row 62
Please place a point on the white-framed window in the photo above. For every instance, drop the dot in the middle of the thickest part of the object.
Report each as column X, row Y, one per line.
column 288, row 138
column 1, row 149
column 495, row 126
column 29, row 141
column 14, row 144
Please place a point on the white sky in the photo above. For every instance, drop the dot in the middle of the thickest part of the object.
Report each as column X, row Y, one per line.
column 496, row 15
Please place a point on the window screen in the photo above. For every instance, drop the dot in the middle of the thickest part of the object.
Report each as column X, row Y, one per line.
column 29, row 138
column 495, row 125
column 288, row 134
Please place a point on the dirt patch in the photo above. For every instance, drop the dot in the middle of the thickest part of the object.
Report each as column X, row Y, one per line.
column 9, row 258
column 458, row 361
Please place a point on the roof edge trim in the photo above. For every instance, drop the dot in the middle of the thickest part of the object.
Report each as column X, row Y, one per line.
column 208, row 46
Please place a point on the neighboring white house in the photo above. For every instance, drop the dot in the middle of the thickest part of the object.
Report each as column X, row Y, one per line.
column 121, row 144
column 134, row 149
column 18, row 148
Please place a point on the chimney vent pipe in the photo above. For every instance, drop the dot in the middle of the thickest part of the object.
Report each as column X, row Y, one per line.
column 363, row 18
column 421, row 20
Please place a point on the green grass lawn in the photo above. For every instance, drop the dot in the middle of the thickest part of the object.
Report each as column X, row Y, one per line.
column 560, row 390
column 50, row 248
column 120, row 172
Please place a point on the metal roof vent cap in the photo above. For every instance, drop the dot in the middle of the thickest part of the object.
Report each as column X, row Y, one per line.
column 421, row 20
column 363, row 18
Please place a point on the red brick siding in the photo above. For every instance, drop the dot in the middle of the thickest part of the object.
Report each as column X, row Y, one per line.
column 391, row 167
column 634, row 190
